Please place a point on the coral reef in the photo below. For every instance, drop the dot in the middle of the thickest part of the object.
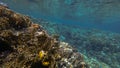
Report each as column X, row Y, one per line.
column 24, row 44
column 101, row 49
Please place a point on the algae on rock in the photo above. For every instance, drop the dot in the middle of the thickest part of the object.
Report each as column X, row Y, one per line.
column 24, row 44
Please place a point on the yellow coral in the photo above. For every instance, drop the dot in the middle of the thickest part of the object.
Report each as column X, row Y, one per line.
column 41, row 54
column 45, row 63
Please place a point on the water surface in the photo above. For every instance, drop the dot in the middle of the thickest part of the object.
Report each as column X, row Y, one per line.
column 99, row 14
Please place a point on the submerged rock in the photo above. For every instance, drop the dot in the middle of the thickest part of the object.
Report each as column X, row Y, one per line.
column 24, row 44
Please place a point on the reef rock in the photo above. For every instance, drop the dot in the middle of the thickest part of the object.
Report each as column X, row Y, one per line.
column 24, row 44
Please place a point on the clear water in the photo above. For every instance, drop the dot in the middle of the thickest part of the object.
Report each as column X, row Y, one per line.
column 99, row 14
column 102, row 48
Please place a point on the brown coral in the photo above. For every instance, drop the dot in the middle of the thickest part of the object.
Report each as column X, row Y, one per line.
column 21, row 41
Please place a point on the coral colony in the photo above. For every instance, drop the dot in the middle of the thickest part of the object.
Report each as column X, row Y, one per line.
column 24, row 44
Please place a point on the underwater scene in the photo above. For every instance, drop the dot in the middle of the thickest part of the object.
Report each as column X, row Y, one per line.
column 59, row 33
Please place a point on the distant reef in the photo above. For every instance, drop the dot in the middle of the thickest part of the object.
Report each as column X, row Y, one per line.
column 101, row 49
column 25, row 44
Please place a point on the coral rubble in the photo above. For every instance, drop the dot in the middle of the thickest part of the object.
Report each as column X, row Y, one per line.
column 24, row 44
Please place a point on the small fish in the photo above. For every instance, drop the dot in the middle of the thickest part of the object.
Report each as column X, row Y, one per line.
column 3, row 4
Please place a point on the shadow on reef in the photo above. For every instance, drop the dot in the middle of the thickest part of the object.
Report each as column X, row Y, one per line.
column 24, row 44
column 38, row 65
column 4, row 46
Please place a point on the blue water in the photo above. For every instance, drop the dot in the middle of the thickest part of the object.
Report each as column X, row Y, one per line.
column 98, row 14
column 103, row 15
